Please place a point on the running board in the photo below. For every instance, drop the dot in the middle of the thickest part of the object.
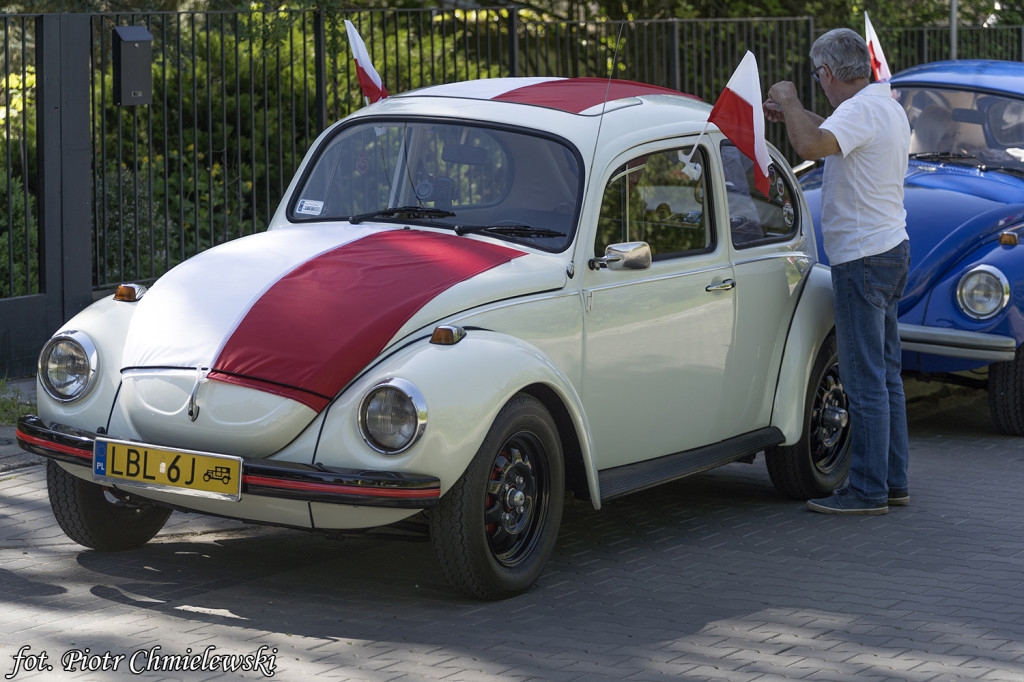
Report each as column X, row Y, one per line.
column 631, row 478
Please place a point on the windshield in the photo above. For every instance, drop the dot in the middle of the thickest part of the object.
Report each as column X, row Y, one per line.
column 507, row 184
column 963, row 126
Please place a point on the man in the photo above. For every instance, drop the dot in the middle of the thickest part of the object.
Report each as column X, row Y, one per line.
column 865, row 143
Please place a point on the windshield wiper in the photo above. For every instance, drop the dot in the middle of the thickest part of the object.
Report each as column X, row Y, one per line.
column 402, row 211
column 932, row 156
column 509, row 230
column 1015, row 170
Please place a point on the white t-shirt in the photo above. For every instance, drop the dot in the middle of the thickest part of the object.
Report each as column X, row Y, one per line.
column 862, row 210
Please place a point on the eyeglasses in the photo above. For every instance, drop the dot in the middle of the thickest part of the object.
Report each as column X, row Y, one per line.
column 814, row 74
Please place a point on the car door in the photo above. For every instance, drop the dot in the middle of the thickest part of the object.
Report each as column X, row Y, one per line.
column 769, row 261
column 657, row 341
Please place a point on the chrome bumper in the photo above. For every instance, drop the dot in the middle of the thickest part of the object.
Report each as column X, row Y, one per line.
column 956, row 343
column 286, row 480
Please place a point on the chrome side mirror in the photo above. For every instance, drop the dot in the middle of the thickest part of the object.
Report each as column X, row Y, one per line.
column 627, row 256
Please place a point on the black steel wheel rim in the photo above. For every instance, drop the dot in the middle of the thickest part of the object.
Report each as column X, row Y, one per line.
column 829, row 442
column 516, row 503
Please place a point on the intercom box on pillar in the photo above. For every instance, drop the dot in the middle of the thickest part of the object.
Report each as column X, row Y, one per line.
column 133, row 58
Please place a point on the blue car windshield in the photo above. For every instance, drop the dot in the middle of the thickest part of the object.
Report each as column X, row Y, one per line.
column 507, row 184
column 965, row 126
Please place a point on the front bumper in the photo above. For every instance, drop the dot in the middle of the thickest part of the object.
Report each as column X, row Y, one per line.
column 957, row 343
column 283, row 480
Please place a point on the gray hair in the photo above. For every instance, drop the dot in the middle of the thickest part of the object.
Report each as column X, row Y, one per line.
column 844, row 52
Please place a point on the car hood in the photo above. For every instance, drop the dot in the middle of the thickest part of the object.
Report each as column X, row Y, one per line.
column 950, row 211
column 299, row 311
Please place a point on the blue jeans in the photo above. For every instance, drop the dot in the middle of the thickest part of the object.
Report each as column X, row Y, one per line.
column 867, row 292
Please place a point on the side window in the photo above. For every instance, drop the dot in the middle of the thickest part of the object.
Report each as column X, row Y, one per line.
column 753, row 217
column 660, row 199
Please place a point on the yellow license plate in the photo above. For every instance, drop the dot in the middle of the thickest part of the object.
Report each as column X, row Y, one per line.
column 154, row 468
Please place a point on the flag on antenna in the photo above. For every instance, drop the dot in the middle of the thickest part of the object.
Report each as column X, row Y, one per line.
column 369, row 80
column 739, row 116
column 879, row 67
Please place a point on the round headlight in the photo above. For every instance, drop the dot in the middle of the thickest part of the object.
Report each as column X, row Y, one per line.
column 982, row 292
column 67, row 366
column 392, row 416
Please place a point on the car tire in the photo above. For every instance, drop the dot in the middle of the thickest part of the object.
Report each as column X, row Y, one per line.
column 1006, row 394
column 94, row 518
column 495, row 529
column 819, row 462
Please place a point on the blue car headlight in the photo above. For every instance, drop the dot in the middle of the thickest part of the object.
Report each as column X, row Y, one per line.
column 67, row 366
column 982, row 292
column 392, row 416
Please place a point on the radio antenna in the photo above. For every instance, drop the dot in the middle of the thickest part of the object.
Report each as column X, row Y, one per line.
column 607, row 90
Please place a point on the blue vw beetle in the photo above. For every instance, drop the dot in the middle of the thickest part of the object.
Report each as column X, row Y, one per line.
column 962, row 314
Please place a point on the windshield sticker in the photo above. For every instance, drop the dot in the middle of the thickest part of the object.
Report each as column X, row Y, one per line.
column 788, row 214
column 362, row 163
column 309, row 207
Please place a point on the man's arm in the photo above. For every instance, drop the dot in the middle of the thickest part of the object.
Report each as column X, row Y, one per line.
column 802, row 126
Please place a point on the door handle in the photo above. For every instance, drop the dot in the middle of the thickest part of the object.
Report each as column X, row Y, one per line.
column 724, row 286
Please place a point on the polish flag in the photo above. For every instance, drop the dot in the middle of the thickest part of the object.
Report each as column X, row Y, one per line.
column 369, row 80
column 738, row 114
column 879, row 67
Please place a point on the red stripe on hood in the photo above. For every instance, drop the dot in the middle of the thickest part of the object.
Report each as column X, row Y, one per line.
column 323, row 322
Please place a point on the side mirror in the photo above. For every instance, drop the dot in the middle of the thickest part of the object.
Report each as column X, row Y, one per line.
column 627, row 256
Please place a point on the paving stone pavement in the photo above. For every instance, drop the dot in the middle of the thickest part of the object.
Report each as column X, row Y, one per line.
column 715, row 577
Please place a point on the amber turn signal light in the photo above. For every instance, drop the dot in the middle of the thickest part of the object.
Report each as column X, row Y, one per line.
column 129, row 292
column 447, row 335
column 1008, row 239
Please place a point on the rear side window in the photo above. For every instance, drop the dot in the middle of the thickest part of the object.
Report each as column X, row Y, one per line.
column 753, row 217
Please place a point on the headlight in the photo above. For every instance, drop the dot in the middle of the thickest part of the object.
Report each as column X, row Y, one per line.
column 983, row 292
column 392, row 416
column 67, row 366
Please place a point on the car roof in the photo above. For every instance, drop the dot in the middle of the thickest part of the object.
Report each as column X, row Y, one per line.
column 972, row 74
column 584, row 96
column 574, row 108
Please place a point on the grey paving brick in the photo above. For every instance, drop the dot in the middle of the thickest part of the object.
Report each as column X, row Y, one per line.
column 710, row 578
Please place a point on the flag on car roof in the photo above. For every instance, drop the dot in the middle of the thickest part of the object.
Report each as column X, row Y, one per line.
column 738, row 114
column 369, row 80
column 879, row 67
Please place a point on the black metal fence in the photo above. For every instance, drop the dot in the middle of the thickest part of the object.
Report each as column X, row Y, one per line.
column 19, row 238
column 238, row 98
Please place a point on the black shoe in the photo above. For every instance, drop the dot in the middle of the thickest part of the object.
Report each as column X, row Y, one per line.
column 899, row 498
column 844, row 502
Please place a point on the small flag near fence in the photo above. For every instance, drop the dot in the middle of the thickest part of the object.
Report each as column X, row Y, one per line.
column 879, row 67
column 369, row 80
column 738, row 114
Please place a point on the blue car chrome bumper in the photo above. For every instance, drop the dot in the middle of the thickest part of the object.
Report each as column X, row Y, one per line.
column 957, row 343
column 286, row 480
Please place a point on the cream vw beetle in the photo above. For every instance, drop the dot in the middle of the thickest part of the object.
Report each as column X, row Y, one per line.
column 473, row 298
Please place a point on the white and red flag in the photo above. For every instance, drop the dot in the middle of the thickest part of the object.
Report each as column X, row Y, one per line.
column 369, row 80
column 879, row 67
column 738, row 114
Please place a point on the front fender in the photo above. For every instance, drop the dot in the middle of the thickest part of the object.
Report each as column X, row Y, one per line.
column 464, row 386
column 105, row 322
column 812, row 322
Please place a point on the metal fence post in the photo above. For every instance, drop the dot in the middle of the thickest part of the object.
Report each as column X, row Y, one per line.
column 513, row 41
column 65, row 161
column 675, row 72
column 320, row 67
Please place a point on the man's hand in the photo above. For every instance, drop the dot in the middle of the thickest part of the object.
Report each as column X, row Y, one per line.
column 773, row 112
column 781, row 96
column 783, row 106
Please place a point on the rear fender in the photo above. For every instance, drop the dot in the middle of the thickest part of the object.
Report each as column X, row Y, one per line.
column 812, row 322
